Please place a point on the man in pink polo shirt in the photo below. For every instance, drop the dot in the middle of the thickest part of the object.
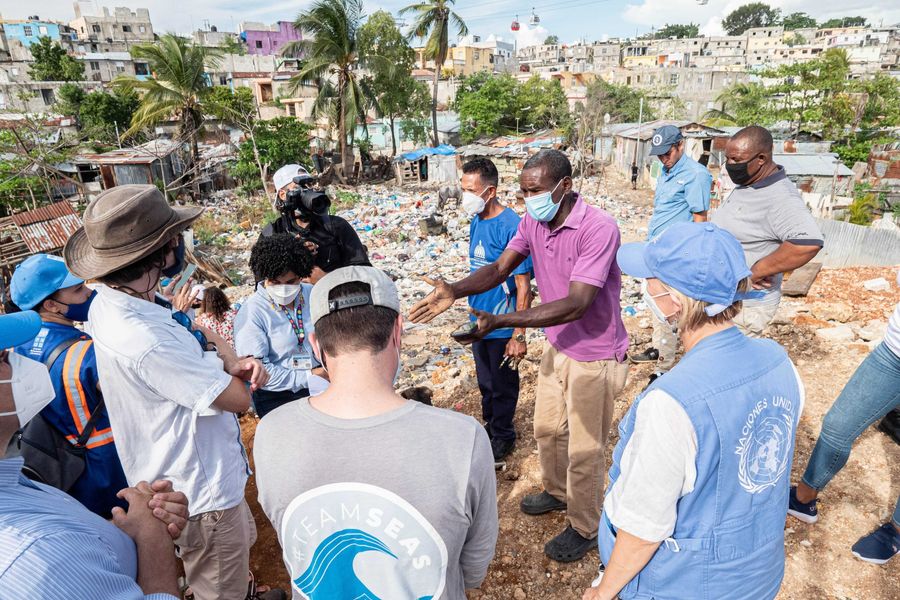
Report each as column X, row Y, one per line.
column 573, row 247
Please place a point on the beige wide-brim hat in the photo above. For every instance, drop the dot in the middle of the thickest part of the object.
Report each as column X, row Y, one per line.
column 121, row 226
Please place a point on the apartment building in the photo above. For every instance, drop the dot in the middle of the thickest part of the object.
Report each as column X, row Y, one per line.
column 121, row 25
column 264, row 39
column 607, row 54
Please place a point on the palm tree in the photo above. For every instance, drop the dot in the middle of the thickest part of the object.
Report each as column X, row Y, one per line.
column 330, row 62
column 176, row 90
column 740, row 104
column 433, row 19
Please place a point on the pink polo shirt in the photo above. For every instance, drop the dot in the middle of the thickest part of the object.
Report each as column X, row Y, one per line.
column 581, row 249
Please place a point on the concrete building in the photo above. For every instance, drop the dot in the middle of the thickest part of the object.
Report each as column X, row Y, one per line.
column 788, row 55
column 639, row 53
column 761, row 41
column 722, row 52
column 122, row 25
column 533, row 58
column 607, row 54
column 34, row 96
column 213, row 38
column 106, row 66
column 28, row 31
column 473, row 55
column 268, row 39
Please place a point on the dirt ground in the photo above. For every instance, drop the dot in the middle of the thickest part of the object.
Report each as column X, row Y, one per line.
column 818, row 564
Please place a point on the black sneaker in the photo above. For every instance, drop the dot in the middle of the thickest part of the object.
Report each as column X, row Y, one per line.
column 568, row 546
column 890, row 425
column 538, row 504
column 648, row 355
column 502, row 448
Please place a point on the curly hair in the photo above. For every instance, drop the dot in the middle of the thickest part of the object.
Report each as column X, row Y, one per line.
column 278, row 254
column 215, row 303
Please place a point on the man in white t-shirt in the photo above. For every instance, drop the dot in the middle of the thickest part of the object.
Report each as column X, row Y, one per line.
column 172, row 390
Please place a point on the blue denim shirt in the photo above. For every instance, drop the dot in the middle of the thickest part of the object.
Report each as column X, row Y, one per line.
column 680, row 192
column 262, row 329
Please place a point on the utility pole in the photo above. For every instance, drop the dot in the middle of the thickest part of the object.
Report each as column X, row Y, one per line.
column 638, row 143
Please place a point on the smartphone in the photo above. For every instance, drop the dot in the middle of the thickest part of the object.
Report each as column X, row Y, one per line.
column 185, row 276
column 465, row 330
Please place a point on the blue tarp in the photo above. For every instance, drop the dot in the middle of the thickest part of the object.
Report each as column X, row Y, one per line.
column 443, row 149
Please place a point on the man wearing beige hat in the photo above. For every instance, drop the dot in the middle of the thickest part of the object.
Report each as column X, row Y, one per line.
column 171, row 388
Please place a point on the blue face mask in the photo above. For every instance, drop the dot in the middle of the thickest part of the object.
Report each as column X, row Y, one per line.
column 78, row 312
column 178, row 267
column 541, row 207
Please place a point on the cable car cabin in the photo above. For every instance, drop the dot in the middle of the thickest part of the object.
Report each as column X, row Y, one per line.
column 515, row 25
column 534, row 20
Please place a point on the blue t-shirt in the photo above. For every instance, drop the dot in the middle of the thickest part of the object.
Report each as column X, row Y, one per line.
column 74, row 376
column 487, row 241
column 680, row 192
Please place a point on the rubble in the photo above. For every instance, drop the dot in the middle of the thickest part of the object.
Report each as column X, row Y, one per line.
column 877, row 285
column 841, row 333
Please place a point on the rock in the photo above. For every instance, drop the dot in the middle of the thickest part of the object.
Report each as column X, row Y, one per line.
column 838, row 311
column 879, row 284
column 805, row 543
column 417, row 362
column 841, row 333
column 873, row 331
column 519, row 594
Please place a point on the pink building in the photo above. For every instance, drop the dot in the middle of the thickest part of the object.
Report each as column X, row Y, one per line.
column 268, row 39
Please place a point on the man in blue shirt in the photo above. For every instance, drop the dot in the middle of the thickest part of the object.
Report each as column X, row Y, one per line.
column 682, row 195
column 493, row 225
column 43, row 283
column 50, row 545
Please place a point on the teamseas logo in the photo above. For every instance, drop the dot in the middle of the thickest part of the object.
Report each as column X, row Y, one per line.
column 357, row 541
column 764, row 449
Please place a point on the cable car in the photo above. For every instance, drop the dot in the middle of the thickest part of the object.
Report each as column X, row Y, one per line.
column 702, row 2
column 534, row 20
column 515, row 24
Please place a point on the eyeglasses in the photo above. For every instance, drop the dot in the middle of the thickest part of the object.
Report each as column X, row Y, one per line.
column 185, row 321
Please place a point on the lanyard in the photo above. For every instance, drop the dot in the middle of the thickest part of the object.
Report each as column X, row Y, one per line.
column 297, row 320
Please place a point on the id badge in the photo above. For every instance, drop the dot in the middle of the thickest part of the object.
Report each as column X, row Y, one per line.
column 301, row 362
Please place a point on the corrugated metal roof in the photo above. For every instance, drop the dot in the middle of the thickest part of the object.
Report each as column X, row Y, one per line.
column 822, row 165
column 47, row 228
column 139, row 155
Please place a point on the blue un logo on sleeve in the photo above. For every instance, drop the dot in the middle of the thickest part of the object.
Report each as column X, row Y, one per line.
column 359, row 541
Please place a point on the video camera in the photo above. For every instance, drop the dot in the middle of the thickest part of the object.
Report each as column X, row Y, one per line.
column 305, row 201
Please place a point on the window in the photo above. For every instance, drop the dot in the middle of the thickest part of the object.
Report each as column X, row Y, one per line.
column 120, row 69
column 95, row 28
column 141, row 69
column 142, row 29
column 673, row 79
column 259, row 43
column 47, row 96
column 93, row 47
column 43, row 29
column 27, row 31
column 95, row 66
column 265, row 92
column 126, row 28
column 223, row 80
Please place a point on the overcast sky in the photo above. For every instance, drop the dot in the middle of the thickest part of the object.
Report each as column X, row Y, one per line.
column 571, row 20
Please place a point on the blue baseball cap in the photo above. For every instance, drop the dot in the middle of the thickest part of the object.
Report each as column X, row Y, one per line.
column 18, row 328
column 664, row 138
column 699, row 260
column 37, row 277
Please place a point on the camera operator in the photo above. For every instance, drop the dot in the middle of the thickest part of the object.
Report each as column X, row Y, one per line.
column 304, row 213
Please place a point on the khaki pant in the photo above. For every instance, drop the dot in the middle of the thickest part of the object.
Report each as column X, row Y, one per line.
column 666, row 342
column 572, row 415
column 215, row 550
column 754, row 319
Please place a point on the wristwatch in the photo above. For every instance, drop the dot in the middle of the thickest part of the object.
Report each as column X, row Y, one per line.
column 520, row 338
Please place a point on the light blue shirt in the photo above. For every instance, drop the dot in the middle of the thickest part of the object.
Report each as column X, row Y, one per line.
column 264, row 331
column 680, row 192
column 51, row 546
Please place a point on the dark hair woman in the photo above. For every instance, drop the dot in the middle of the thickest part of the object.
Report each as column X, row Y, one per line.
column 217, row 314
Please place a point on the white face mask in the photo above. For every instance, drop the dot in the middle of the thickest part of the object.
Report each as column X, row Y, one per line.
column 473, row 204
column 283, row 294
column 650, row 300
column 32, row 387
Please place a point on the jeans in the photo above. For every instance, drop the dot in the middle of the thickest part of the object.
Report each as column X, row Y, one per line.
column 499, row 388
column 873, row 390
column 265, row 401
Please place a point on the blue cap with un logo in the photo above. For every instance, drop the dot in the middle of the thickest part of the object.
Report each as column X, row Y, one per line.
column 700, row 260
column 663, row 139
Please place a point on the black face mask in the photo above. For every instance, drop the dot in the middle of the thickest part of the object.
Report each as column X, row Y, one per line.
column 739, row 173
column 178, row 267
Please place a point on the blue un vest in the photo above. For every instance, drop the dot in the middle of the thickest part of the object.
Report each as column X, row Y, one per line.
column 743, row 400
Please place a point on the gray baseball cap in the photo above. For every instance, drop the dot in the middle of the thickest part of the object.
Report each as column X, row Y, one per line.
column 664, row 138
column 382, row 291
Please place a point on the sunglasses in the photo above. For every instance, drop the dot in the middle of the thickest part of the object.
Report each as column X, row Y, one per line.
column 185, row 321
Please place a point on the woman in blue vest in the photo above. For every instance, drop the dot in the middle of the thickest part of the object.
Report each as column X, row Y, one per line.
column 700, row 477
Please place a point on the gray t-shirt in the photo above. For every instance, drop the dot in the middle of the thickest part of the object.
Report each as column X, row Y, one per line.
column 764, row 215
column 400, row 505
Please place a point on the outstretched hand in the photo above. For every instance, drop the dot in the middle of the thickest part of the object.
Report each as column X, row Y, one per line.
column 440, row 299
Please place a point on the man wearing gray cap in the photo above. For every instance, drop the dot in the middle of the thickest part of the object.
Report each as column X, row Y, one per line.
column 682, row 195
column 373, row 495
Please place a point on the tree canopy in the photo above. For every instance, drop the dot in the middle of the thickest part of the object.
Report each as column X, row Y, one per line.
column 755, row 14
column 101, row 115
column 52, row 63
column 278, row 141
column 844, row 22
column 551, row 40
column 798, row 20
column 677, row 31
